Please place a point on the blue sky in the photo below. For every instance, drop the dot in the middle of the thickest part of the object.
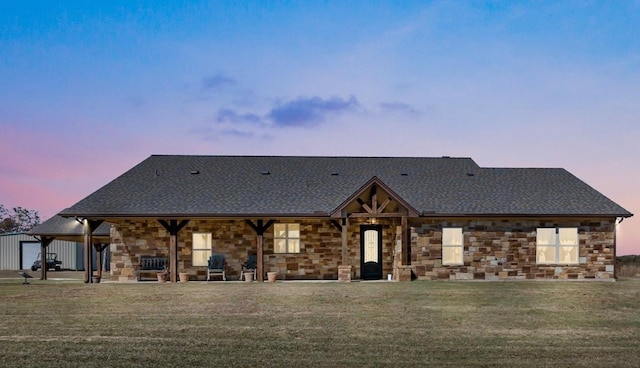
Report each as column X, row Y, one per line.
column 88, row 89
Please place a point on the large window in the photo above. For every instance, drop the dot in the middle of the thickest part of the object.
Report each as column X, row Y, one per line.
column 452, row 246
column 557, row 245
column 201, row 249
column 286, row 238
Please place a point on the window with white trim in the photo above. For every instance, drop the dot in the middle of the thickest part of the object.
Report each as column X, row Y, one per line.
column 286, row 238
column 452, row 246
column 557, row 245
column 201, row 249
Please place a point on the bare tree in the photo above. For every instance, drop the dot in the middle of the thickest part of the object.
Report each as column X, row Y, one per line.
column 17, row 219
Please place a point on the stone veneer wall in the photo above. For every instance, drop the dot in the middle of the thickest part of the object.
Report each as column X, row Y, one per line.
column 505, row 249
column 319, row 257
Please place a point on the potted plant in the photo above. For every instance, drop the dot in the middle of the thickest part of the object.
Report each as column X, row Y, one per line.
column 271, row 276
column 162, row 275
column 248, row 276
column 184, row 276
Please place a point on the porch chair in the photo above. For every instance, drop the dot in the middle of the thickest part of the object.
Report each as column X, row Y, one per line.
column 250, row 265
column 216, row 266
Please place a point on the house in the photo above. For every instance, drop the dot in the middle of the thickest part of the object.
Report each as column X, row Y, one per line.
column 349, row 218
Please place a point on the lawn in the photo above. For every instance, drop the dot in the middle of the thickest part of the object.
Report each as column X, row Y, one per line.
column 360, row 324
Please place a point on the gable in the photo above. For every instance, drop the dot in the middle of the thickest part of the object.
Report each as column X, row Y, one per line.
column 374, row 199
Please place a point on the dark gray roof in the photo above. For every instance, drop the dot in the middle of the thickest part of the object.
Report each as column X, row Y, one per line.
column 288, row 186
column 67, row 228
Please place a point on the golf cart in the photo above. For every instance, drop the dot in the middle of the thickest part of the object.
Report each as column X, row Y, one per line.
column 52, row 262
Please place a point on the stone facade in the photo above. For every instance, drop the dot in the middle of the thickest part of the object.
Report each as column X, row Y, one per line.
column 505, row 249
column 319, row 257
column 494, row 249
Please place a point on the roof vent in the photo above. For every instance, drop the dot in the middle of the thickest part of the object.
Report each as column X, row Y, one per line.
column 471, row 174
column 266, row 172
column 335, row 173
column 404, row 174
column 446, row 156
column 195, row 172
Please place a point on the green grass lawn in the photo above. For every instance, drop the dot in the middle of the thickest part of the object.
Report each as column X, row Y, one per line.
column 360, row 324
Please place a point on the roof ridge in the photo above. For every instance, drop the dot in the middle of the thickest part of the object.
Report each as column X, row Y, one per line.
column 312, row 156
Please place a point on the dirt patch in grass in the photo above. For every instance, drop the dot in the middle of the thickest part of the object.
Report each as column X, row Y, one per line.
column 320, row 324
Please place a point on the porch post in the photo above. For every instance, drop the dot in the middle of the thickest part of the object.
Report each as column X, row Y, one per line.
column 98, row 261
column 88, row 267
column 260, row 228
column 44, row 244
column 173, row 257
column 405, row 241
column 260, row 253
column 99, row 253
column 89, row 226
column 345, row 239
column 173, row 227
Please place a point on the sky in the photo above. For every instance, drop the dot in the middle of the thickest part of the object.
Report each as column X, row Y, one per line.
column 89, row 89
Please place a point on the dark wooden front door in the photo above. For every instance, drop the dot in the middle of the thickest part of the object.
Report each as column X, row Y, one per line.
column 371, row 252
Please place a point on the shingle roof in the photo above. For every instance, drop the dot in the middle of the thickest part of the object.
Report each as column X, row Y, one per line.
column 67, row 228
column 292, row 185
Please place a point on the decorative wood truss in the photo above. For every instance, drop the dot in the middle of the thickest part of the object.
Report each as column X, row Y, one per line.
column 374, row 200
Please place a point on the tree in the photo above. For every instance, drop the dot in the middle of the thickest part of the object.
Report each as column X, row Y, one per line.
column 17, row 219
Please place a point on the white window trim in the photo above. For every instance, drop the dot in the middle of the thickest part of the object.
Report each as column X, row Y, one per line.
column 460, row 261
column 557, row 246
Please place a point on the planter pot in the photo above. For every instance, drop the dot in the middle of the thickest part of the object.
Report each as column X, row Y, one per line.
column 271, row 276
column 95, row 279
column 248, row 276
column 184, row 277
column 162, row 277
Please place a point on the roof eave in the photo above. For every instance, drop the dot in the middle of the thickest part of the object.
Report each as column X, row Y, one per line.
column 591, row 215
column 183, row 215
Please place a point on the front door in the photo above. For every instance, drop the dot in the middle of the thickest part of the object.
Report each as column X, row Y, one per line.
column 371, row 252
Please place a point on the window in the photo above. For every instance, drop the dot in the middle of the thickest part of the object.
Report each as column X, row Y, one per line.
column 286, row 238
column 201, row 249
column 557, row 245
column 452, row 246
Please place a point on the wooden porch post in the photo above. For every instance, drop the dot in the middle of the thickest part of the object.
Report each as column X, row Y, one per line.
column 99, row 253
column 173, row 257
column 260, row 255
column 98, row 261
column 44, row 244
column 345, row 239
column 260, row 228
column 88, row 239
column 173, row 227
column 89, row 226
column 405, row 241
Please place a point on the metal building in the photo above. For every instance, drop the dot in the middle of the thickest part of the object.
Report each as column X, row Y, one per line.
column 19, row 250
